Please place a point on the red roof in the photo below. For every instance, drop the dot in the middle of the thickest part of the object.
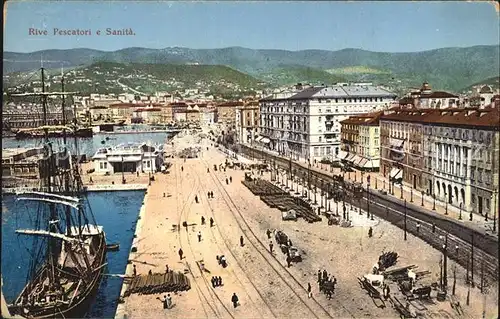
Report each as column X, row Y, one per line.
column 126, row 105
column 438, row 95
column 148, row 109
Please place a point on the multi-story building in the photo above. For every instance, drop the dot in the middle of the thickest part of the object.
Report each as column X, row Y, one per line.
column 247, row 122
column 226, row 112
column 452, row 154
column 425, row 97
column 360, row 137
column 307, row 124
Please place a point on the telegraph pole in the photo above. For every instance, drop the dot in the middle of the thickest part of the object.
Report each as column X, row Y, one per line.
column 405, row 221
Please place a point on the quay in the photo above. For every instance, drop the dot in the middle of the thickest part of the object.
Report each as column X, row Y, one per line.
column 137, row 132
column 266, row 287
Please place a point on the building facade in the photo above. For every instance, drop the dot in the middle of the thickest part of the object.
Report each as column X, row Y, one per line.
column 129, row 157
column 307, row 124
column 360, row 138
column 452, row 154
column 247, row 122
column 226, row 112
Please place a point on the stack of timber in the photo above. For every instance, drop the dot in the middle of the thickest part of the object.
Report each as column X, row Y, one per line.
column 387, row 259
column 262, row 187
column 158, row 283
column 398, row 274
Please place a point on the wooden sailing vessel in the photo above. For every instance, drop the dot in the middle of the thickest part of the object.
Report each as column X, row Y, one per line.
column 69, row 248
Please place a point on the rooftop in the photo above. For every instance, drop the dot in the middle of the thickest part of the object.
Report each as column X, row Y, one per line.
column 364, row 119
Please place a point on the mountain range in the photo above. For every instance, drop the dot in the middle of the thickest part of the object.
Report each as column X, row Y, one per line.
column 446, row 69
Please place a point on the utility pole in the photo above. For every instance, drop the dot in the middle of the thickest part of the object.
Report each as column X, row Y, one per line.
column 405, row 221
column 472, row 260
column 445, row 266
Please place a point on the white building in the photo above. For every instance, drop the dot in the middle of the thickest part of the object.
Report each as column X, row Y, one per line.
column 307, row 124
column 129, row 157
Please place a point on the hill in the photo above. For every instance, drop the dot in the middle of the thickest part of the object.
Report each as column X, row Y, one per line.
column 112, row 77
column 494, row 82
column 446, row 69
column 295, row 74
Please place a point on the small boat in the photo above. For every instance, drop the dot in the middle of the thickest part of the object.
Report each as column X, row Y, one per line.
column 113, row 247
column 103, row 142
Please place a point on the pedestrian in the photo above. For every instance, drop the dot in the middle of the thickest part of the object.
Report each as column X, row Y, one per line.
column 319, row 276
column 150, row 272
column 325, row 275
column 196, row 199
column 219, row 281
column 167, row 270
column 230, row 179
column 418, row 228
column 182, row 167
column 289, row 242
column 211, row 222
column 137, row 173
column 289, row 261
column 227, row 181
column 166, row 301
column 370, row 232
column 309, row 290
column 241, row 241
column 268, row 232
column 203, row 220
column 271, row 247
column 208, row 195
column 180, row 253
column 213, row 281
column 185, row 224
column 433, row 227
column 208, row 170
column 163, row 194
column 135, row 271
column 212, row 194
column 235, row 300
column 199, row 236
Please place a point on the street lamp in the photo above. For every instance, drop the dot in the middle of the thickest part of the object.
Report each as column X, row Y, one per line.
column 446, row 203
column 368, row 197
column 411, row 194
column 460, row 214
column 423, row 193
column 405, row 222
column 444, row 286
column 434, row 201
column 401, row 189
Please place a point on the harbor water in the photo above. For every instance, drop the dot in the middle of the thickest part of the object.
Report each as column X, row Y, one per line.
column 116, row 211
column 89, row 146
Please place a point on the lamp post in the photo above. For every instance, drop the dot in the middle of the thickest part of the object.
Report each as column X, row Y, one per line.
column 422, row 193
column 322, row 195
column 411, row 195
column 460, row 214
column 446, row 203
column 405, row 222
column 445, row 263
column 434, row 201
column 123, row 174
column 368, row 197
column 309, row 180
column 401, row 189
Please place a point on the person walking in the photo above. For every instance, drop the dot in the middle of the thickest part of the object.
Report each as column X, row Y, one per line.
column 211, row 222
column 208, row 170
column 268, row 232
column 319, row 276
column 219, row 281
column 325, row 275
column 213, row 281
column 180, row 253
column 370, row 232
column 227, row 181
column 235, row 300
column 309, row 290
column 208, row 194
column 196, row 198
column 289, row 261
column 241, row 241
column 418, row 228
column 230, row 179
column 271, row 247
column 182, row 168
column 135, row 271
column 199, row 236
column 203, row 220
column 211, row 194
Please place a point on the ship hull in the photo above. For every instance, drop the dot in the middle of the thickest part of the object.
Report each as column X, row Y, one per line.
column 78, row 308
column 84, row 133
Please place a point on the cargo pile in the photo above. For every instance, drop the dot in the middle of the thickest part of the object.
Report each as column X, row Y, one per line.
column 387, row 260
column 158, row 283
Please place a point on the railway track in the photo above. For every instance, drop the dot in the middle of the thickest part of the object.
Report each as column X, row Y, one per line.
column 294, row 294
column 485, row 248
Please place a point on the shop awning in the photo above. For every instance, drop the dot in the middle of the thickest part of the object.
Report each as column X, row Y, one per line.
column 342, row 154
column 396, row 173
column 355, row 160
column 363, row 162
column 350, row 157
column 265, row 140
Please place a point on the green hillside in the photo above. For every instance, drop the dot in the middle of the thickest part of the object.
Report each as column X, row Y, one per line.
column 494, row 82
column 357, row 69
column 295, row 74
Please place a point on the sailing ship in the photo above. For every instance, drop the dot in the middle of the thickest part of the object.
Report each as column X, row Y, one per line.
column 68, row 253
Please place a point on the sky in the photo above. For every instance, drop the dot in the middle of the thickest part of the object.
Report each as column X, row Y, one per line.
column 374, row 26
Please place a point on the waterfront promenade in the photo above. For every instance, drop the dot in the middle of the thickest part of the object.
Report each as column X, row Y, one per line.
column 265, row 287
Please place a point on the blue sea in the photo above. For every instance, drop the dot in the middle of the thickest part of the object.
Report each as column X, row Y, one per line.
column 116, row 211
column 89, row 146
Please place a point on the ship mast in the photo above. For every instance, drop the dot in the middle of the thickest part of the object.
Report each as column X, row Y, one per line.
column 48, row 167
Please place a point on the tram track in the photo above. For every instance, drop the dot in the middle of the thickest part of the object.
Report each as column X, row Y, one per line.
column 302, row 306
column 485, row 248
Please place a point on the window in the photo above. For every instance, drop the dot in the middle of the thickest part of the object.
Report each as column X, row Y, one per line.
column 319, row 119
column 105, row 165
column 101, row 166
column 320, row 138
column 316, row 150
